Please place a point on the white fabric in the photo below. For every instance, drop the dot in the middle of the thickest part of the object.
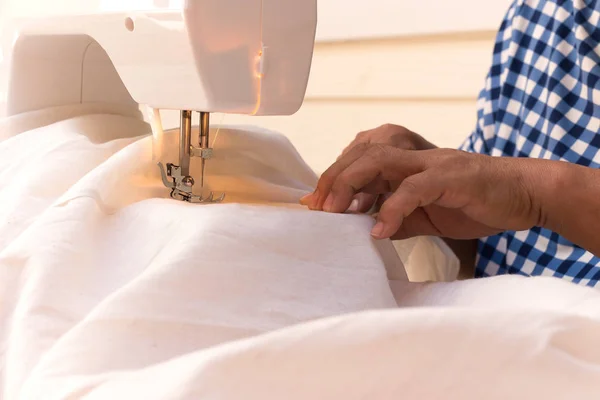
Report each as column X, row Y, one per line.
column 109, row 290
column 428, row 259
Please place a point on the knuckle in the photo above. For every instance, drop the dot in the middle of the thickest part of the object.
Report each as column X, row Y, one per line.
column 410, row 185
column 377, row 151
column 362, row 146
column 356, row 148
column 406, row 143
column 391, row 127
column 392, row 211
column 402, row 137
column 444, row 155
column 326, row 179
column 412, row 140
column 412, row 193
column 344, row 187
column 411, row 136
column 341, row 184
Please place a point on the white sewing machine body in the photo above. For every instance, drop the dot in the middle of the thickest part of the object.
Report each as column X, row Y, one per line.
column 230, row 56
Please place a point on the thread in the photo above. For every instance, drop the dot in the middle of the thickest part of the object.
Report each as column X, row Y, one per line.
column 218, row 130
column 158, row 133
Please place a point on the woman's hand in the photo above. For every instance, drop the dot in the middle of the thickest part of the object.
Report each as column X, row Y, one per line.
column 388, row 134
column 392, row 135
column 439, row 192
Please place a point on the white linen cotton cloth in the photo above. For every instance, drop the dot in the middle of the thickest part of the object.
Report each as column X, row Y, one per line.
column 101, row 272
column 110, row 290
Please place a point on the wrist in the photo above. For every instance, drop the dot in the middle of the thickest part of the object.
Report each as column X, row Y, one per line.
column 551, row 188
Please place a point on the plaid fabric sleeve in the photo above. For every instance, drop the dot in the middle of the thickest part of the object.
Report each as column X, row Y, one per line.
column 482, row 139
column 540, row 100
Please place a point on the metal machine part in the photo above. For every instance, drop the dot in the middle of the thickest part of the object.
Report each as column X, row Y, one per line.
column 177, row 177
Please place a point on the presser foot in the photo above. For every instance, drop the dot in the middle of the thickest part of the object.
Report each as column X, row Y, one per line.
column 181, row 186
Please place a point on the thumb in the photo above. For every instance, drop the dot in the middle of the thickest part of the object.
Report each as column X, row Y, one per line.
column 415, row 191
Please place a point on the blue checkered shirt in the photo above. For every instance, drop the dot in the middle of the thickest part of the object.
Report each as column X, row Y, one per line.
column 542, row 100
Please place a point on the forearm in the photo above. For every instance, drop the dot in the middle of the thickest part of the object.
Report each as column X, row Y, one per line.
column 568, row 200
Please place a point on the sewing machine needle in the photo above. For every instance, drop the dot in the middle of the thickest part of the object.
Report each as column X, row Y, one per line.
column 184, row 142
column 202, row 174
column 204, row 142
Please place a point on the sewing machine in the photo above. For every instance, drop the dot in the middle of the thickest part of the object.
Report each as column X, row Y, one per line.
column 230, row 56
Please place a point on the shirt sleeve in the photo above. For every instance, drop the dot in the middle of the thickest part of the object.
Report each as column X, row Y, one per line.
column 476, row 143
column 483, row 139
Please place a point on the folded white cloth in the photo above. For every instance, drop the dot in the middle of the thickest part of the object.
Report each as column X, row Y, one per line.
column 110, row 290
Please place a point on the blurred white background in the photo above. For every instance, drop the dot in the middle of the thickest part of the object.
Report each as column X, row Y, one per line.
column 416, row 63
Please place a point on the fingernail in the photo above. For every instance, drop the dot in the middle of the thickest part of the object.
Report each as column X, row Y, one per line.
column 377, row 231
column 304, row 200
column 353, row 206
column 328, row 203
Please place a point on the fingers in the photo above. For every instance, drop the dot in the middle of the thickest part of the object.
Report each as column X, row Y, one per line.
column 363, row 173
column 348, row 148
column 361, row 138
column 419, row 223
column 368, row 170
column 306, row 200
column 374, row 169
column 362, row 203
column 416, row 191
column 378, row 171
column 330, row 175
